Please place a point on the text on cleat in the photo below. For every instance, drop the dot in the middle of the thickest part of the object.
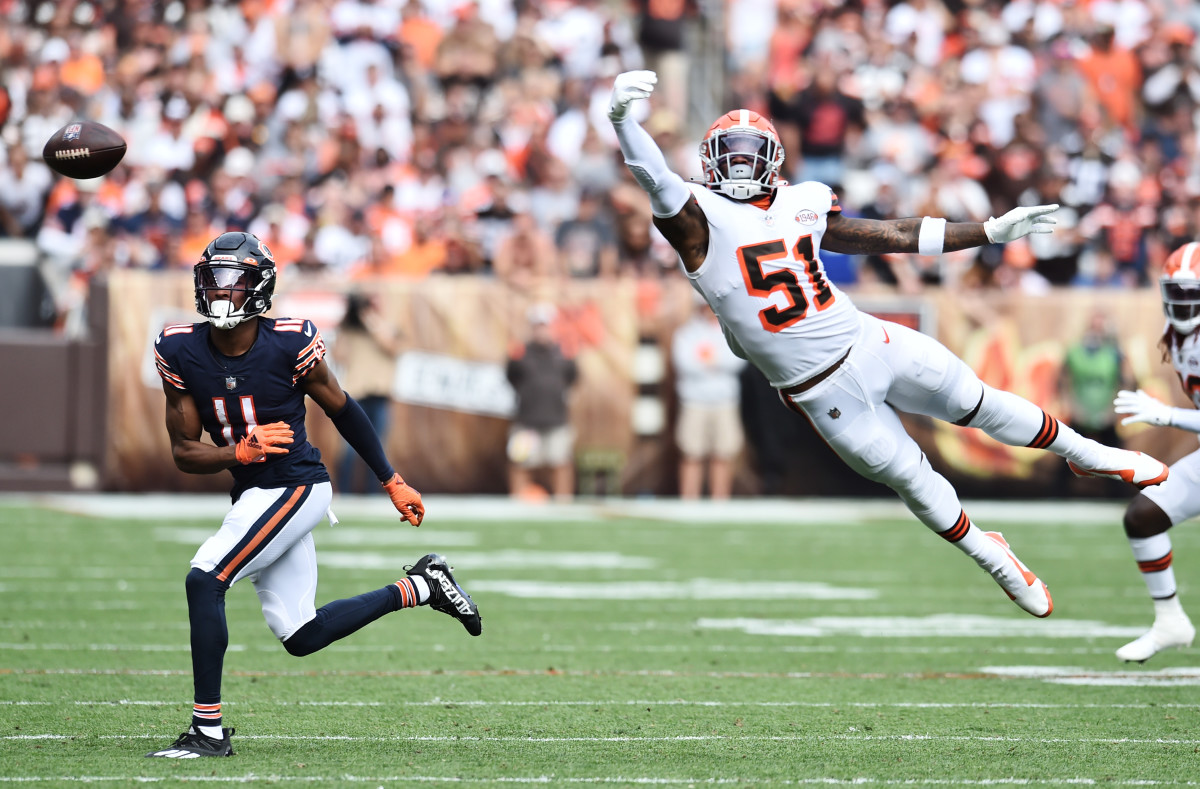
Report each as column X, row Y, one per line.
column 460, row 603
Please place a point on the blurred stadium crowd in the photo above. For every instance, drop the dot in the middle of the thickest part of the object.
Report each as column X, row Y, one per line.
column 409, row 137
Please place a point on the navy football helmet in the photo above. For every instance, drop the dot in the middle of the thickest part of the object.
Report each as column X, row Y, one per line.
column 235, row 279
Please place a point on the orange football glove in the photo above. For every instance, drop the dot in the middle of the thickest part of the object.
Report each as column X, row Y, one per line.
column 406, row 498
column 263, row 440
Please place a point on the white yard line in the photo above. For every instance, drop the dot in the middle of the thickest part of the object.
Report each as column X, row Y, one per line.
column 574, row 649
column 499, row 509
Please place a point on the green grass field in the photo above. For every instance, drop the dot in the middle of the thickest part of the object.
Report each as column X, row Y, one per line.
column 616, row 650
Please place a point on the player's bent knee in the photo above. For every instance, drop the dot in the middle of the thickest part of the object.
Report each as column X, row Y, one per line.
column 968, row 399
column 902, row 473
column 283, row 619
column 1144, row 518
column 870, row 450
column 296, row 648
column 883, row 461
column 200, row 584
column 303, row 642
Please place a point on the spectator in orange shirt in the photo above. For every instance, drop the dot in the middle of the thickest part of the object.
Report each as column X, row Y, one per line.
column 388, row 222
column 197, row 232
column 419, row 33
column 83, row 71
column 270, row 224
column 793, row 33
column 427, row 253
column 1115, row 75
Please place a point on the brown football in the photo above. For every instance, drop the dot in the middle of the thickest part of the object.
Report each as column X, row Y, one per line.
column 84, row 149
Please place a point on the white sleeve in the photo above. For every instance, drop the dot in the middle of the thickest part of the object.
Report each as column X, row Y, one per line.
column 669, row 193
column 1186, row 419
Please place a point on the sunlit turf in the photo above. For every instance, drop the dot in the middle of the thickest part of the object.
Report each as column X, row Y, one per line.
column 648, row 663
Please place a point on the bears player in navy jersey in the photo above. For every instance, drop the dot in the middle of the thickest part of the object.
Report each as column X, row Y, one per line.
column 242, row 378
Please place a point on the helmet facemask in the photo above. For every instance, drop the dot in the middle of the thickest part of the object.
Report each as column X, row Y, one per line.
column 1181, row 304
column 228, row 293
column 742, row 162
column 234, row 279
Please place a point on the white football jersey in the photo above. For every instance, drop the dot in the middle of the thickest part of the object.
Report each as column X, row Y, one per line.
column 1179, row 497
column 764, row 279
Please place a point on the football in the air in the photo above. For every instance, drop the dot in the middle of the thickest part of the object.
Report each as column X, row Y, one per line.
column 84, row 149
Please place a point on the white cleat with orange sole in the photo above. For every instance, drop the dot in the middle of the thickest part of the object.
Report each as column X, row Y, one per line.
column 1136, row 468
column 1020, row 584
column 1167, row 632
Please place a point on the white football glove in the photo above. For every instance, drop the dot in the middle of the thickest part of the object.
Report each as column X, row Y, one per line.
column 628, row 87
column 1142, row 408
column 1020, row 222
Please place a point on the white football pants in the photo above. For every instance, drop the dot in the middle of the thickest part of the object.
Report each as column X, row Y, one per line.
column 891, row 367
column 266, row 537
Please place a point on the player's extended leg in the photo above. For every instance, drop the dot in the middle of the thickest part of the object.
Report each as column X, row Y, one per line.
column 1147, row 520
column 928, row 379
column 261, row 526
column 849, row 412
column 287, row 592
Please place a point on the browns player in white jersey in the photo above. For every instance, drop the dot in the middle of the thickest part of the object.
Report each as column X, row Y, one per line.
column 1153, row 512
column 750, row 244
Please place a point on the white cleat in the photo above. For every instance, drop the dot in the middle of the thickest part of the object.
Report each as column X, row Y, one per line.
column 1167, row 632
column 1020, row 584
column 1136, row 468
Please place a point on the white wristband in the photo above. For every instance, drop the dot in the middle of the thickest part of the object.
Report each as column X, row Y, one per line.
column 932, row 237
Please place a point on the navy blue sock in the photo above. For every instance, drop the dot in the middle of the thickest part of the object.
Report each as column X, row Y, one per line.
column 210, row 637
column 342, row 617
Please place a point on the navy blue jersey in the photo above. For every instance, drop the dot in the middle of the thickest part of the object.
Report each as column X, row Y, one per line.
column 233, row 394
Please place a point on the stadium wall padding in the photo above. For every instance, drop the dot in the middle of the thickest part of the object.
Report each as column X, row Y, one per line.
column 1014, row 341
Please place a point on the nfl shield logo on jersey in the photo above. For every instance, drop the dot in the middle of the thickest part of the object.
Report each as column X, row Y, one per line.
column 230, row 382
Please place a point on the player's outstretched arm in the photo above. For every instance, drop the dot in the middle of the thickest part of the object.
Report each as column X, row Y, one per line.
column 351, row 421
column 676, row 213
column 932, row 236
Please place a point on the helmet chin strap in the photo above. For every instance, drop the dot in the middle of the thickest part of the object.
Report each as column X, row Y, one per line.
column 741, row 185
column 221, row 316
column 741, row 191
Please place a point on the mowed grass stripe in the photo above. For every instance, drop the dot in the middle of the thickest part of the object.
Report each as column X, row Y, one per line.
column 634, row 738
column 1176, row 674
column 451, row 704
column 624, row 780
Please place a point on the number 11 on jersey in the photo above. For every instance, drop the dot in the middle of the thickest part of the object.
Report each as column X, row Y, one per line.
column 248, row 416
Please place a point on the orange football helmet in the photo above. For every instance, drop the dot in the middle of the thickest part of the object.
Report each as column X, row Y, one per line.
column 1180, row 283
column 741, row 155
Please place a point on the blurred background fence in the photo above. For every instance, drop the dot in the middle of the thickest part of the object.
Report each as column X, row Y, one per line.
column 88, row 413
